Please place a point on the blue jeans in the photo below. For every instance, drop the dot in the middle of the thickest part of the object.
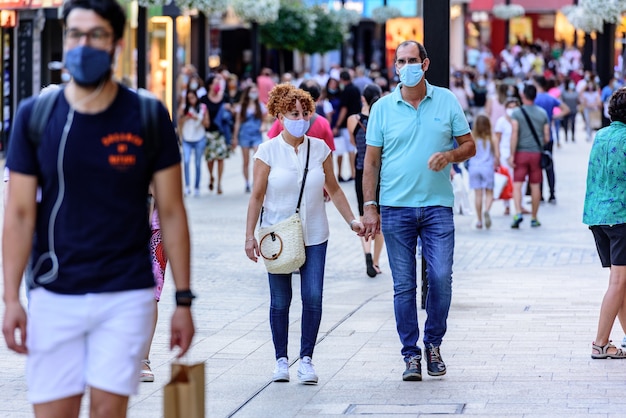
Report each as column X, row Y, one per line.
column 198, row 149
column 311, row 287
column 401, row 227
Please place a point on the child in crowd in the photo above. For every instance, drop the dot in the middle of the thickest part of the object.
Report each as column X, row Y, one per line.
column 482, row 167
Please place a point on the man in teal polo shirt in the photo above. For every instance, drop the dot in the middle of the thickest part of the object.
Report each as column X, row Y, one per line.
column 410, row 142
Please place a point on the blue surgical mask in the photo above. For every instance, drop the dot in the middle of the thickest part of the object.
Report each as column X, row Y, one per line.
column 296, row 127
column 88, row 66
column 411, row 74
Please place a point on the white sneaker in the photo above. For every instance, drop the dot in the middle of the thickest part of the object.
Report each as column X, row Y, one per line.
column 196, row 192
column 281, row 372
column 187, row 191
column 306, row 372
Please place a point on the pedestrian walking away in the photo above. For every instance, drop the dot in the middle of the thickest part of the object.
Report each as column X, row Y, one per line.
column 605, row 214
column 279, row 168
column 482, row 168
column 530, row 132
column 357, row 127
column 85, row 246
column 410, row 141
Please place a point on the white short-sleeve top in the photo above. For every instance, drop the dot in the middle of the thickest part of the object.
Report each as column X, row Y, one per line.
column 284, row 182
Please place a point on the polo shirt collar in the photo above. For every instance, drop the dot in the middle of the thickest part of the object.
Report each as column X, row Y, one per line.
column 398, row 95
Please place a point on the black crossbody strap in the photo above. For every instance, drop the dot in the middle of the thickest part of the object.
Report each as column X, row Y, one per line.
column 306, row 171
column 532, row 128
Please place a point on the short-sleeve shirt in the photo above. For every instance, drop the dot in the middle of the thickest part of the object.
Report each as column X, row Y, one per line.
column 548, row 103
column 408, row 138
column 350, row 99
column 284, row 183
column 605, row 198
column 525, row 139
column 94, row 186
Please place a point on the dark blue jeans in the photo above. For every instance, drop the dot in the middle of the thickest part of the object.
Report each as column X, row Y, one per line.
column 311, row 288
column 401, row 227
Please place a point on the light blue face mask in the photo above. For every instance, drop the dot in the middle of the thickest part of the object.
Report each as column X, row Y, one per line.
column 411, row 74
column 296, row 127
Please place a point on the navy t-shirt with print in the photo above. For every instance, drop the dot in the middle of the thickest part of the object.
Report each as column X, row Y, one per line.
column 93, row 215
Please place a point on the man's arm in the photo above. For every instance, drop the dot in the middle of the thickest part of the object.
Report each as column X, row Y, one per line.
column 466, row 149
column 371, row 172
column 17, row 236
column 546, row 133
column 173, row 220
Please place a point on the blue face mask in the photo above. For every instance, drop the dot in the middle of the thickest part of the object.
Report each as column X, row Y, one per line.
column 411, row 74
column 88, row 66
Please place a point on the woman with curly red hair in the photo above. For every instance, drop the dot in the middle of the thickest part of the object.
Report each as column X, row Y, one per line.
column 279, row 166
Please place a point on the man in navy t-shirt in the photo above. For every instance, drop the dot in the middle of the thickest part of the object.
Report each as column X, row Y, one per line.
column 84, row 247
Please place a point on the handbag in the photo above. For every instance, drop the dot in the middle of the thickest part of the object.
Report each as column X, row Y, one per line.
column 282, row 245
column 546, row 155
column 183, row 396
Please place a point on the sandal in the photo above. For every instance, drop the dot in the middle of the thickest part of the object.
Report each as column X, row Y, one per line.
column 378, row 270
column 369, row 264
column 602, row 352
column 146, row 373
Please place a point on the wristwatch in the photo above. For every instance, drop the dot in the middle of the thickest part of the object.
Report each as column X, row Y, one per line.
column 184, row 297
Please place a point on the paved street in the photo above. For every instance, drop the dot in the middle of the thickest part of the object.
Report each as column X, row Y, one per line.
column 524, row 313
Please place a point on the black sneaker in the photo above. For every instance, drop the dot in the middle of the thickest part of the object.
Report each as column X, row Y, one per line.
column 413, row 372
column 436, row 366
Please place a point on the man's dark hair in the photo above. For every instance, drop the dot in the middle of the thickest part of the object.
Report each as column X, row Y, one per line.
column 371, row 93
column 311, row 87
column 345, row 75
column 420, row 47
column 530, row 92
column 109, row 10
column 541, row 82
column 617, row 105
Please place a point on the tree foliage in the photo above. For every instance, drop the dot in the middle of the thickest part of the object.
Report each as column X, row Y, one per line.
column 288, row 30
column 325, row 37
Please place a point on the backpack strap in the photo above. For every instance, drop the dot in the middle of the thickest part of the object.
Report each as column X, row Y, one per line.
column 149, row 111
column 40, row 115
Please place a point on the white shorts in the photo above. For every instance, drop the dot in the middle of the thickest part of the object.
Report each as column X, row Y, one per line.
column 96, row 340
column 343, row 144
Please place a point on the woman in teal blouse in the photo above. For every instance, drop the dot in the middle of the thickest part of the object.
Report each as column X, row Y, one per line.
column 605, row 213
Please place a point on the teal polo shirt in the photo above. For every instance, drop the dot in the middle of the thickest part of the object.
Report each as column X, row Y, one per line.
column 408, row 137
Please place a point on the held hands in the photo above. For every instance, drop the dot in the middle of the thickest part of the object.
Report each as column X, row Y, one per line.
column 510, row 161
column 357, row 227
column 371, row 223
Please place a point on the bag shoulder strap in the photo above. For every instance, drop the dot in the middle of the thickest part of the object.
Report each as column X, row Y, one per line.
column 360, row 122
column 532, row 128
column 306, row 170
column 149, row 113
column 42, row 109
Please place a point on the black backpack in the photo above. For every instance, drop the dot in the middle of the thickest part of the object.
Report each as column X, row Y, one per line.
column 148, row 109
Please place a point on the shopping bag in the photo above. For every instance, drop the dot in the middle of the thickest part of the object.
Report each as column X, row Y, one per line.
column 507, row 189
column 183, row 396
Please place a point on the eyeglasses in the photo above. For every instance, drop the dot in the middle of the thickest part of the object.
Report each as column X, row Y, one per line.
column 401, row 61
column 98, row 36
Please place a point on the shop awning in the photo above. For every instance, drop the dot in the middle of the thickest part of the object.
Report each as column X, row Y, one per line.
column 532, row 6
column 29, row 4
